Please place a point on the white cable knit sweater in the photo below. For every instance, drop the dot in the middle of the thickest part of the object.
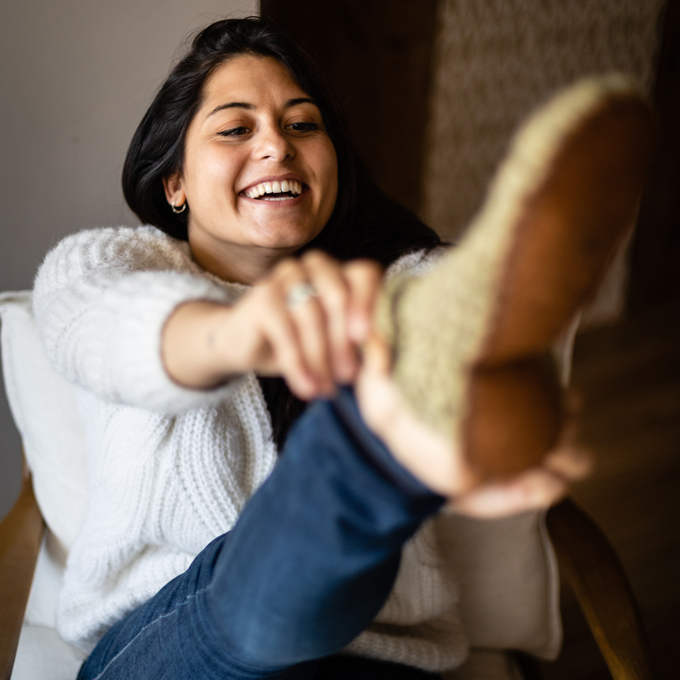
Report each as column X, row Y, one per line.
column 171, row 468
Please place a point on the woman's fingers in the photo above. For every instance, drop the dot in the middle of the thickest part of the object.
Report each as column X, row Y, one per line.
column 365, row 282
column 332, row 323
column 312, row 314
column 297, row 328
column 347, row 294
column 310, row 330
column 533, row 489
column 538, row 487
column 569, row 462
column 328, row 279
column 277, row 350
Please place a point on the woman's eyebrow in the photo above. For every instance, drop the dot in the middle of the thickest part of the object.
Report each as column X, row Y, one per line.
column 249, row 107
column 232, row 105
column 300, row 100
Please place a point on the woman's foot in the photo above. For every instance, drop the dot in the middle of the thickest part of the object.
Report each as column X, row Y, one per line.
column 470, row 340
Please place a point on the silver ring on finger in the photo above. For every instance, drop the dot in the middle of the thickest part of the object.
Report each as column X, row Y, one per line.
column 299, row 294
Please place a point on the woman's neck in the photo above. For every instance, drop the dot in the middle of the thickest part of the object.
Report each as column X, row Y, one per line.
column 234, row 263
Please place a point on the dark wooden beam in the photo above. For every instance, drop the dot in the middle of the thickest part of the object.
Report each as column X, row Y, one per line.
column 377, row 56
column 655, row 261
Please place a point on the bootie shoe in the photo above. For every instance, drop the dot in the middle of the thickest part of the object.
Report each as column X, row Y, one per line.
column 471, row 338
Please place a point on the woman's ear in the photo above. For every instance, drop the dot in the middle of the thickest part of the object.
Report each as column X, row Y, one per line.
column 174, row 189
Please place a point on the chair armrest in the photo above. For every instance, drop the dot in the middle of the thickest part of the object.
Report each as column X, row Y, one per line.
column 21, row 533
column 596, row 576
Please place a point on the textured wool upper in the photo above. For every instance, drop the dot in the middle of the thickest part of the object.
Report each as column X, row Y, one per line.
column 171, row 468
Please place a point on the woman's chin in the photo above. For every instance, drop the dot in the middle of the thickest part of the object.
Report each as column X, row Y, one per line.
column 289, row 238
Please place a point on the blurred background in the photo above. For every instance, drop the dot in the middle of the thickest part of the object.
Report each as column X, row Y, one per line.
column 432, row 90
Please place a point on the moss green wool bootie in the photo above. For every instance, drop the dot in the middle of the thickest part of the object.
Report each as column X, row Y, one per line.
column 470, row 338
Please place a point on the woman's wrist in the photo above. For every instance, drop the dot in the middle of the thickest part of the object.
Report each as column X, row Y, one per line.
column 192, row 345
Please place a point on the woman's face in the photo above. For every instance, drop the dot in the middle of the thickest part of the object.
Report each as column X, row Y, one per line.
column 260, row 171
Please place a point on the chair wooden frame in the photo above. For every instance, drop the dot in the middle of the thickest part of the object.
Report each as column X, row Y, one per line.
column 21, row 533
column 585, row 557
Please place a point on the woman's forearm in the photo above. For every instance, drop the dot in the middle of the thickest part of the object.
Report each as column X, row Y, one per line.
column 193, row 345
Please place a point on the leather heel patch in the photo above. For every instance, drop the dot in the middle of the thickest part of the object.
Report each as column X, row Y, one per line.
column 514, row 415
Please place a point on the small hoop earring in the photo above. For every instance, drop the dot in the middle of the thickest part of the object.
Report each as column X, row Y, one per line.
column 177, row 211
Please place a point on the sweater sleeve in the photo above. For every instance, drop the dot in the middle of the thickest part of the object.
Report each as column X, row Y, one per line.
column 417, row 263
column 101, row 299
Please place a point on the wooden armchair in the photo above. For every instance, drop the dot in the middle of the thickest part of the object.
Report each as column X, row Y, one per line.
column 21, row 534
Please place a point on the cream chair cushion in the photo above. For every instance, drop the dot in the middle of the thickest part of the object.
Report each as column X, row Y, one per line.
column 43, row 655
column 508, row 580
column 44, row 410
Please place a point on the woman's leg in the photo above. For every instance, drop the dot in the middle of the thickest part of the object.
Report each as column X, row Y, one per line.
column 305, row 569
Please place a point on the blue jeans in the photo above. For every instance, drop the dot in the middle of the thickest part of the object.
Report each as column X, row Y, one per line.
column 306, row 568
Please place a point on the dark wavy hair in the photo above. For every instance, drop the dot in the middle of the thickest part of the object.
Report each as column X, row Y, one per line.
column 364, row 222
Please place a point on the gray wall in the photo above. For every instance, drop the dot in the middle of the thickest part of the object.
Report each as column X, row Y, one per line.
column 75, row 80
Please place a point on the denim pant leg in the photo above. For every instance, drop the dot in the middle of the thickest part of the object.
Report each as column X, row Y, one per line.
column 309, row 563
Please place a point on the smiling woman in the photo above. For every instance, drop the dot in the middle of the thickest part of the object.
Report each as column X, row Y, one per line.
column 255, row 128
column 204, row 554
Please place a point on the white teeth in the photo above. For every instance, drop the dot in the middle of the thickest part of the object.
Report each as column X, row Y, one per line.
column 285, row 186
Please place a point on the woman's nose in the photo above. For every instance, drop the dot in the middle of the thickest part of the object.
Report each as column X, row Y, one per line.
column 274, row 144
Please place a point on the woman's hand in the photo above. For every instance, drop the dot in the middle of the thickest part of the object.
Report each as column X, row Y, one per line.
column 434, row 460
column 312, row 341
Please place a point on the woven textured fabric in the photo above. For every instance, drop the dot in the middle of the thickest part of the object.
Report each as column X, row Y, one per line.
column 497, row 59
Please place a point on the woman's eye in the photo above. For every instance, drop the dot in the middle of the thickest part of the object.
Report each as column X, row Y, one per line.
column 303, row 127
column 234, row 132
